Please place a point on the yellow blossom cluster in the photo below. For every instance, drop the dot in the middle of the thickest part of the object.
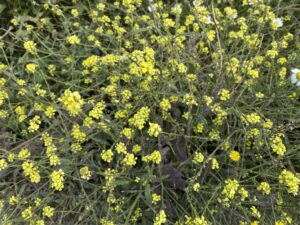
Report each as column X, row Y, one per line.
column 140, row 118
column 30, row 170
column 154, row 129
column 72, row 101
column 85, row 173
column 277, row 144
column 178, row 112
column 290, row 180
column 57, row 179
column 30, row 47
column 154, row 157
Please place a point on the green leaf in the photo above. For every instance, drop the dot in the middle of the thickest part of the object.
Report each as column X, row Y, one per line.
column 2, row 7
column 148, row 193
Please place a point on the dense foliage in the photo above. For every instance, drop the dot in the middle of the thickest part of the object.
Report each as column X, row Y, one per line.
column 149, row 112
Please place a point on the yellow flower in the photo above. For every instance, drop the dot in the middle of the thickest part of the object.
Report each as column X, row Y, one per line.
column 14, row 22
column 27, row 213
column 30, row 47
column 127, row 132
column 31, row 171
column 264, row 187
column 31, row 68
column 214, row 163
column 155, row 198
column 13, row 200
column 50, row 111
column 290, row 180
column 48, row 211
column 72, row 101
column 277, row 144
column 160, row 218
column 165, row 105
column 3, row 164
column 121, row 148
column 91, row 61
column 244, row 193
column 230, row 188
column 224, row 94
column 198, row 157
column 85, row 173
column 154, row 157
column 107, row 155
column 97, row 111
column 57, row 179
column 154, row 129
column 199, row 128
column 77, row 134
column 252, row 118
column 73, row 40
column 140, row 118
column 255, row 212
column 234, row 156
column 34, row 124
column 196, row 187
column 129, row 160
column 74, row 12
column 24, row 153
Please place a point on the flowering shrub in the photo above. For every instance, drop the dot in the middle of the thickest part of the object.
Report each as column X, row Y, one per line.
column 149, row 112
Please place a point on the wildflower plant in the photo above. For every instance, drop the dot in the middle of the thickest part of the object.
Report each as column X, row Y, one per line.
column 149, row 112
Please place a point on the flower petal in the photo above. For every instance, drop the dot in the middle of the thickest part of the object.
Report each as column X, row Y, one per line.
column 295, row 70
column 298, row 84
column 294, row 78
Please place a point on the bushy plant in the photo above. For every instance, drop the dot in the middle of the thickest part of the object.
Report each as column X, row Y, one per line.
column 149, row 112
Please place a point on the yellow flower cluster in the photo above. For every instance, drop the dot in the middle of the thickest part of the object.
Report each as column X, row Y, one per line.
column 165, row 105
column 199, row 128
column 31, row 68
column 224, row 94
column 255, row 212
column 264, row 187
column 252, row 118
column 234, row 155
column 57, row 179
column 3, row 164
column 48, row 211
column 34, row 124
column 72, row 101
column 107, row 155
column 27, row 213
column 198, row 157
column 77, row 134
column 90, row 62
column 97, row 111
column 85, row 173
column 121, row 148
column 51, row 149
column 161, row 218
column 127, row 132
column 129, row 160
column 31, row 171
column 30, row 47
column 140, row 118
column 277, row 145
column 290, row 180
column 21, row 111
column 155, row 198
column 154, row 157
column 154, row 129
column 73, row 40
column 196, row 221
column 230, row 189
column 50, row 111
